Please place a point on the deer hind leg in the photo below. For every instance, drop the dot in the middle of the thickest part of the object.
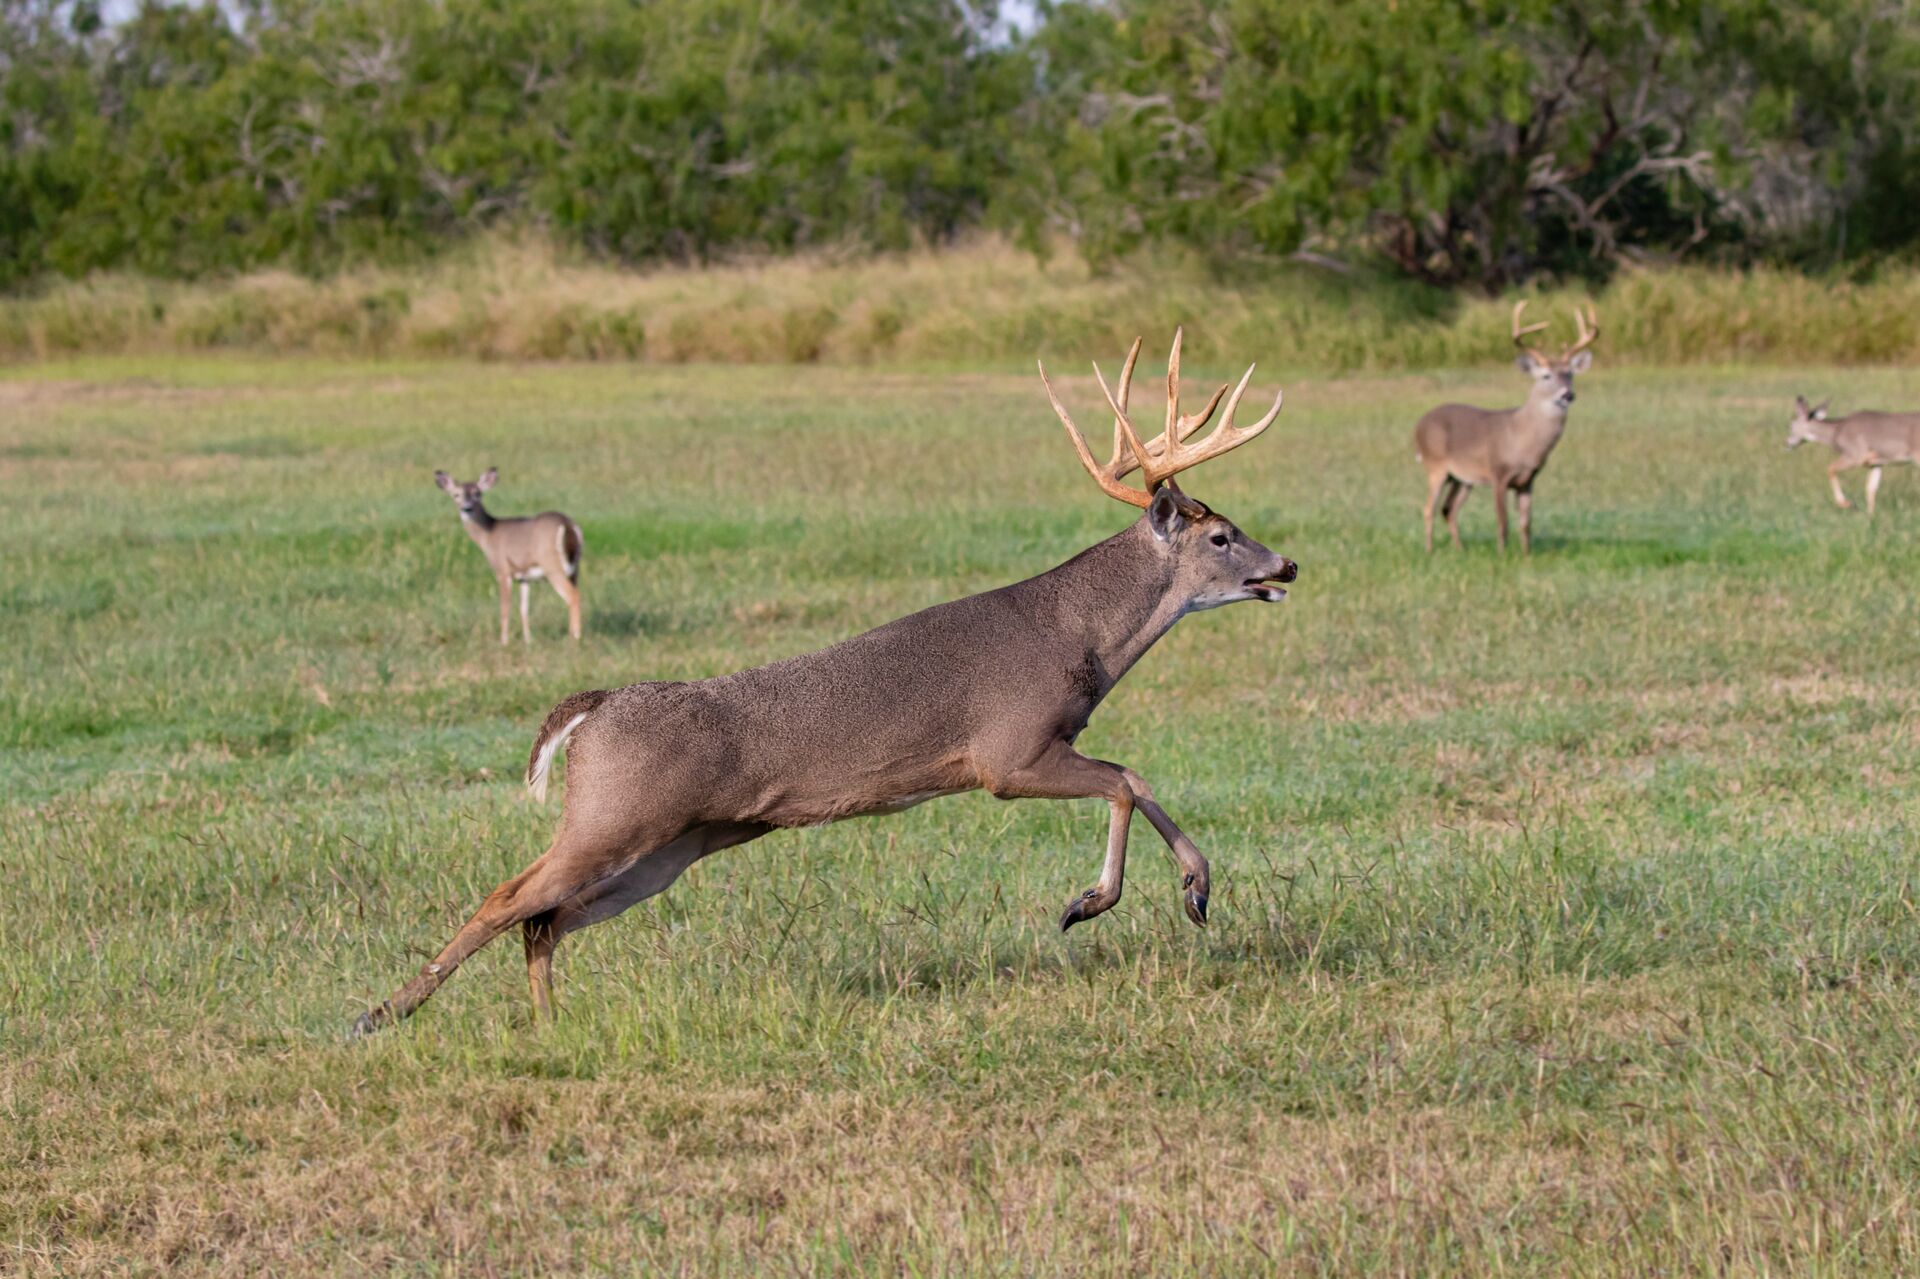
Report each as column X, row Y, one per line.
column 1196, row 881
column 1833, row 479
column 563, row 872
column 1873, row 488
column 1437, row 480
column 571, row 594
column 654, row 873
column 1455, row 499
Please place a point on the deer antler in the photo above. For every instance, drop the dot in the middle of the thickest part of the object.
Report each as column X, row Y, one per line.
column 1167, row 454
column 1589, row 325
column 1519, row 333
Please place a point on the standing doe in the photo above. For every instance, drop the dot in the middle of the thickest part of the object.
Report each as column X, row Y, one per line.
column 987, row 692
column 1462, row 446
column 1860, row 439
column 522, row 549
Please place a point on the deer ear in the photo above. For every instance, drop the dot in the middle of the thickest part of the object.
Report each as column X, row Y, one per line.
column 445, row 481
column 1580, row 363
column 1166, row 516
column 1820, row 410
column 488, row 478
column 1801, row 406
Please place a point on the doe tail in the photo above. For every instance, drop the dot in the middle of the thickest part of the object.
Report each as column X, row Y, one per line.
column 553, row 734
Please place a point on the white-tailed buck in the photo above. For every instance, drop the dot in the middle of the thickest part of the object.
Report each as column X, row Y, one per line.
column 1871, row 440
column 987, row 692
column 522, row 549
column 1463, row 447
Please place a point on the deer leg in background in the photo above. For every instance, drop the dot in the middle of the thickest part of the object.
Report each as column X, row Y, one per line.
column 1523, row 504
column 1833, row 478
column 571, row 594
column 1063, row 773
column 526, row 632
column 1455, row 499
column 1196, row 881
column 506, row 609
column 1500, row 510
column 1436, row 481
column 1873, row 488
column 653, row 873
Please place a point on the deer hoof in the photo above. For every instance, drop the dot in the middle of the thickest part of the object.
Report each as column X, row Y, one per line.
column 369, row 1021
column 1081, row 908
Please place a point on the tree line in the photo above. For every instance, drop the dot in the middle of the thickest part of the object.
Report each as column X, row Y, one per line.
column 1477, row 142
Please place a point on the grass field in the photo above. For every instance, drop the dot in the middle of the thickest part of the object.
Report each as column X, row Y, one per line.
column 1564, row 912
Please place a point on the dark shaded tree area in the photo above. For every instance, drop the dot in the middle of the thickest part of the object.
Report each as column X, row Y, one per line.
column 1459, row 141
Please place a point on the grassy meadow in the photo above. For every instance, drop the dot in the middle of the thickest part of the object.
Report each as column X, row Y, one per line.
column 1563, row 917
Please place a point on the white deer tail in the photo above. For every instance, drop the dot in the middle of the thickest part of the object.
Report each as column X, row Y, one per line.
column 561, row 721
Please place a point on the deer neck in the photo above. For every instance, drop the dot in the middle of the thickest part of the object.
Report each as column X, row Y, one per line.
column 478, row 523
column 1113, row 601
column 1542, row 417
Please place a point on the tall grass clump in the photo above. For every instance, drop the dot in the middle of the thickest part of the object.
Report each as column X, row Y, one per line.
column 981, row 303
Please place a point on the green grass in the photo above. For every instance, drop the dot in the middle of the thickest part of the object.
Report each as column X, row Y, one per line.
column 1564, row 914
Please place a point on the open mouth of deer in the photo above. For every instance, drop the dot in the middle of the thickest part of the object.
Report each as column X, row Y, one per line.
column 1269, row 588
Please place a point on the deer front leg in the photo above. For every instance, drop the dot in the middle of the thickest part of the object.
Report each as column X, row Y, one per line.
column 526, row 631
column 1523, row 502
column 1500, row 510
column 506, row 607
column 1873, row 488
column 1196, row 882
column 1833, row 478
column 1061, row 772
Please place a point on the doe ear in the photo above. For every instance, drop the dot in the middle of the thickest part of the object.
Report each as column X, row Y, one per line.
column 488, row 478
column 1581, row 362
column 1801, row 406
column 1166, row 516
column 445, row 481
column 1820, row 410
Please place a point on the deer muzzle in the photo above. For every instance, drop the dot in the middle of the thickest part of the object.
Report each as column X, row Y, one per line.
column 1265, row 588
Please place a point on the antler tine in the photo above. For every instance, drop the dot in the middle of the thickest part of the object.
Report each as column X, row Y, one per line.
column 1589, row 326
column 1519, row 333
column 1126, row 389
column 1141, row 457
column 1104, row 476
column 1227, row 435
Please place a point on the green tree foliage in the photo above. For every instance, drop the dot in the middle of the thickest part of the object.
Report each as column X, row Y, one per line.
column 1460, row 141
column 1485, row 140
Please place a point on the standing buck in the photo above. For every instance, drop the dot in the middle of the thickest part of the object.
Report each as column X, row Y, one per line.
column 987, row 692
column 1462, row 446
column 1860, row 439
column 522, row 550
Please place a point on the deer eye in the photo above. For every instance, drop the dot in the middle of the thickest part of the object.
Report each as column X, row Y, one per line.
column 1218, row 539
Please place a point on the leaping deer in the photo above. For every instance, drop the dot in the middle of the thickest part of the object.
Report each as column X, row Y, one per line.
column 1462, row 446
column 987, row 692
column 521, row 549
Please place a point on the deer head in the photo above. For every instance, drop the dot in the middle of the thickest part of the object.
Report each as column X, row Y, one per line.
column 1809, row 423
column 1209, row 560
column 1553, row 375
column 467, row 496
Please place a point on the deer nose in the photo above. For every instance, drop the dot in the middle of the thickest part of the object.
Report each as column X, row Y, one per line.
column 1288, row 570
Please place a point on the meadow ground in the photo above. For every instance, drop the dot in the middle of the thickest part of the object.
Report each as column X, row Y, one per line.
column 1564, row 913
